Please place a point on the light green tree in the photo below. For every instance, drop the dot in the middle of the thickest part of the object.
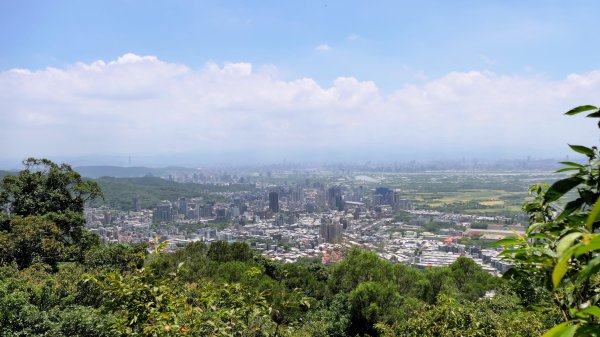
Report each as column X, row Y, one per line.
column 560, row 253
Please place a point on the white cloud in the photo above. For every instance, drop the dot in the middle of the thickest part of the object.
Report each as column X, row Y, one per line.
column 353, row 37
column 323, row 47
column 143, row 105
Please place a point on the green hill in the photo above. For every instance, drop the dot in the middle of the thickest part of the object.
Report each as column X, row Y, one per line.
column 119, row 192
column 6, row 173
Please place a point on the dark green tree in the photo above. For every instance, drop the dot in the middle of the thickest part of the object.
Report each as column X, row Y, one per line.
column 45, row 221
column 219, row 251
column 45, row 187
column 360, row 266
column 371, row 303
column 34, row 239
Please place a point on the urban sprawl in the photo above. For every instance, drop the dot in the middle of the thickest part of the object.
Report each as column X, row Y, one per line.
column 311, row 220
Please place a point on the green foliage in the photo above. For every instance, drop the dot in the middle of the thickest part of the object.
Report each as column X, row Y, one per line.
column 221, row 251
column 559, row 252
column 46, row 221
column 370, row 303
column 500, row 316
column 169, row 308
column 119, row 192
column 312, row 278
column 471, row 281
column 120, row 257
column 403, row 216
column 32, row 239
column 360, row 266
column 330, row 319
column 35, row 302
column 45, row 187
column 479, row 225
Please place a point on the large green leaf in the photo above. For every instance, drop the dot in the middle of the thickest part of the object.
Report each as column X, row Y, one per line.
column 594, row 114
column 570, row 163
column 566, row 242
column 591, row 310
column 508, row 252
column 591, row 268
column 562, row 266
column 534, row 226
column 567, row 169
column 582, row 149
column 579, row 109
column 592, row 245
column 562, row 330
column 593, row 215
column 559, row 188
column 570, row 207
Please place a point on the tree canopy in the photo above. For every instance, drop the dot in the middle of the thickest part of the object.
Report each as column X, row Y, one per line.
column 46, row 187
column 45, row 220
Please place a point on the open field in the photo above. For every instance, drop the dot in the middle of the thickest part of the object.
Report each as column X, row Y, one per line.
column 486, row 193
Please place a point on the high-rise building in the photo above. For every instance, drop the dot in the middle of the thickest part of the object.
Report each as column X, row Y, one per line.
column 193, row 211
column 396, row 200
column 274, row 202
column 330, row 229
column 383, row 196
column 339, row 203
column 279, row 221
column 107, row 218
column 221, row 213
column 206, row 211
column 136, row 204
column 298, row 194
column 334, row 198
column 162, row 212
column 183, row 206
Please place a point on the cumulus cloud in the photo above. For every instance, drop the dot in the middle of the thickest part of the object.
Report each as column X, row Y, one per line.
column 323, row 48
column 143, row 105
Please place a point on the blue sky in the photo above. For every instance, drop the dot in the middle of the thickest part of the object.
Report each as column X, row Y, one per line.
column 393, row 45
column 385, row 41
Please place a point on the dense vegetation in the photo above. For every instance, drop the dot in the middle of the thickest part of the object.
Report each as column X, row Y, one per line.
column 119, row 192
column 56, row 279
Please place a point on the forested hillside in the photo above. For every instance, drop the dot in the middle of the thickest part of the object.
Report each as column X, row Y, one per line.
column 119, row 192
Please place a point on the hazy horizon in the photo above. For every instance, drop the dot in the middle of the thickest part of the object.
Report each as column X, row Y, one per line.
column 258, row 160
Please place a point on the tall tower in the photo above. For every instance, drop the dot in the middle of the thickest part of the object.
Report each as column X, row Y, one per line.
column 334, row 198
column 183, row 206
column 136, row 204
column 274, row 202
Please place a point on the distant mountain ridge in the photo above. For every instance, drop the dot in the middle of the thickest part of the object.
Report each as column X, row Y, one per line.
column 130, row 172
column 6, row 173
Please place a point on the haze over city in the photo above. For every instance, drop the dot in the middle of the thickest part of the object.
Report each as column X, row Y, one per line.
column 174, row 83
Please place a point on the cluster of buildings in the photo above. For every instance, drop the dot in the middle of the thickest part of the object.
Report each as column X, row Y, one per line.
column 309, row 221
